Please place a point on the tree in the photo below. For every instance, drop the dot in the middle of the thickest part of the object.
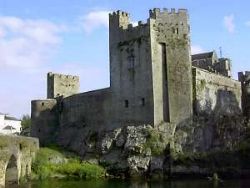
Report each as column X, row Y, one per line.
column 26, row 122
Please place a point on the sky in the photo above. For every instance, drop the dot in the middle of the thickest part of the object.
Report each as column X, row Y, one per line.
column 71, row 37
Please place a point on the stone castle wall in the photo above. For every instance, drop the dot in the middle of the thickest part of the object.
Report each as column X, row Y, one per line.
column 44, row 119
column 214, row 93
column 149, row 63
column 151, row 82
column 90, row 108
column 130, row 71
column 171, row 61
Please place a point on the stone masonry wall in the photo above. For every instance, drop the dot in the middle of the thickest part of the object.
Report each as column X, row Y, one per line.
column 171, row 61
column 214, row 93
column 61, row 85
column 22, row 150
column 45, row 119
column 82, row 117
column 90, row 108
column 130, row 71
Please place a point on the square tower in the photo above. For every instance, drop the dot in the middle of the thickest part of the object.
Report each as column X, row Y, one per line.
column 150, row 68
column 59, row 85
column 171, row 65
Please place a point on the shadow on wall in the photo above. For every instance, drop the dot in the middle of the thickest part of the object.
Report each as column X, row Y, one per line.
column 11, row 175
column 226, row 104
column 221, row 127
column 45, row 126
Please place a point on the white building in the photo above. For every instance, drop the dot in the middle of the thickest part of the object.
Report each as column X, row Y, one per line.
column 9, row 125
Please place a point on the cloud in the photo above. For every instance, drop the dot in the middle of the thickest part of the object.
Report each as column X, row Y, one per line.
column 229, row 23
column 94, row 20
column 195, row 49
column 26, row 44
column 26, row 49
column 97, row 19
column 18, row 88
column 2, row 33
column 134, row 23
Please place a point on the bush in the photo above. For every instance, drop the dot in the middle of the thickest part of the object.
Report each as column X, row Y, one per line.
column 81, row 170
column 155, row 142
column 44, row 166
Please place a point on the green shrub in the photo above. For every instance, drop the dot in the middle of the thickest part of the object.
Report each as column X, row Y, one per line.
column 44, row 168
column 81, row 170
column 155, row 142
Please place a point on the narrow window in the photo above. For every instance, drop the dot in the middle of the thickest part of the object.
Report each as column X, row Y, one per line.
column 143, row 101
column 131, row 59
column 131, row 62
column 126, row 103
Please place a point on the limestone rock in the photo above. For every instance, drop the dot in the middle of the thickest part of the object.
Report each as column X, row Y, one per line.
column 136, row 138
column 138, row 165
column 210, row 133
column 120, row 141
column 108, row 140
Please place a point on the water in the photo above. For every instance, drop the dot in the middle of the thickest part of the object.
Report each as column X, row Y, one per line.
column 136, row 184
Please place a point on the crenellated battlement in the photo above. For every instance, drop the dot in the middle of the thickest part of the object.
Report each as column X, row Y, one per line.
column 156, row 12
column 173, row 22
column 63, row 76
column 119, row 13
column 121, row 19
column 118, row 19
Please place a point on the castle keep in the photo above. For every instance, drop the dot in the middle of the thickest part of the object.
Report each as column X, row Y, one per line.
column 153, row 80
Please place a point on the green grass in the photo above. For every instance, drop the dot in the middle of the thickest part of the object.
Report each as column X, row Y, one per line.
column 81, row 170
column 43, row 167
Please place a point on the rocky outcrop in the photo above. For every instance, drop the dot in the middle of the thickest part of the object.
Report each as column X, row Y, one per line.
column 204, row 134
column 131, row 151
column 194, row 146
column 212, row 144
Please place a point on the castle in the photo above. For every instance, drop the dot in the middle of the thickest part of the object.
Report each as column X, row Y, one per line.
column 153, row 80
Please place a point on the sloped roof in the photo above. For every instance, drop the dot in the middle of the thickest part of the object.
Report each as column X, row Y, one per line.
column 203, row 55
column 11, row 118
column 8, row 127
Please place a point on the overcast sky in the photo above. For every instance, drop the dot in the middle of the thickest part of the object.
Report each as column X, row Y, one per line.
column 72, row 37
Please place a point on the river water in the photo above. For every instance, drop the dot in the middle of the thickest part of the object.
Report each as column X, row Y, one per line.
column 137, row 184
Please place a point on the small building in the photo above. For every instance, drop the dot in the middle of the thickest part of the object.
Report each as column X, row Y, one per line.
column 9, row 125
column 210, row 62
